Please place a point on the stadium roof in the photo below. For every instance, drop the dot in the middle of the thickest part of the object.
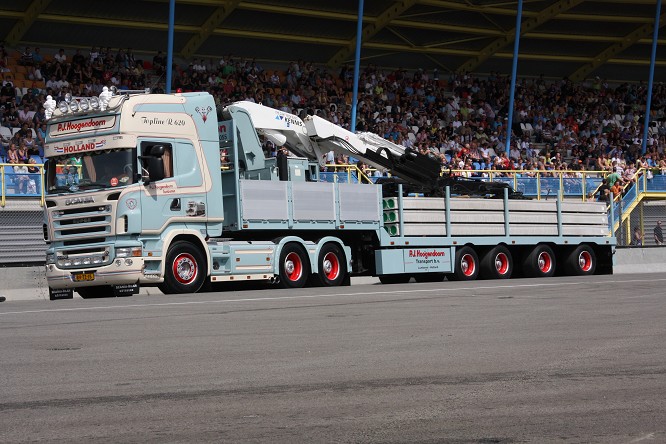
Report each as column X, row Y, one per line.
column 575, row 38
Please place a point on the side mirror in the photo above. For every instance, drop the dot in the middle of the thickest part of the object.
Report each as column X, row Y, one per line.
column 152, row 164
column 157, row 150
column 155, row 169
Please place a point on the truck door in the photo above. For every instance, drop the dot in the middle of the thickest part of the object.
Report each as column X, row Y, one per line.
column 178, row 198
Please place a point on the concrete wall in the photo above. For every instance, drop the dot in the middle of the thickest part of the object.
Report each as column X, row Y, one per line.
column 24, row 283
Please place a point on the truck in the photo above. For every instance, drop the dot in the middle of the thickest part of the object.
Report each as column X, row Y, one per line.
column 173, row 191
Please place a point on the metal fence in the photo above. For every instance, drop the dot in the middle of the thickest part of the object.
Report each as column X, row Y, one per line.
column 643, row 225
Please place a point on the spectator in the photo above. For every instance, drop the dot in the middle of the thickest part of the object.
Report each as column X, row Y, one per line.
column 26, row 57
column 7, row 93
column 21, row 172
column 33, row 178
column 25, row 116
column 12, row 153
column 658, row 234
column 41, row 136
column 637, row 238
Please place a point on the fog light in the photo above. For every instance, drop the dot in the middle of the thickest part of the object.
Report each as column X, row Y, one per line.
column 86, row 261
column 129, row 262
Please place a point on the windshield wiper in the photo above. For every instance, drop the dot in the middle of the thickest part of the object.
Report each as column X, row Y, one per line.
column 60, row 189
column 83, row 185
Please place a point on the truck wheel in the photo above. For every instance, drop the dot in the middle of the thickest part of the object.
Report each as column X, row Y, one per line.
column 497, row 264
column 429, row 277
column 540, row 262
column 102, row 291
column 332, row 266
column 184, row 271
column 581, row 262
column 466, row 265
column 294, row 266
column 394, row 278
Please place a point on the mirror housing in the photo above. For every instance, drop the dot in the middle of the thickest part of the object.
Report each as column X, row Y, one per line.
column 152, row 164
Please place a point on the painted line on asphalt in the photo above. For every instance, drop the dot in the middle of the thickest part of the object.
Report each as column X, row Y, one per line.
column 606, row 283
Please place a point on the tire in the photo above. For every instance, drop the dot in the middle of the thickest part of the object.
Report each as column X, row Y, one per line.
column 581, row 261
column 394, row 278
column 540, row 262
column 294, row 266
column 497, row 263
column 466, row 266
column 429, row 277
column 332, row 266
column 102, row 291
column 185, row 270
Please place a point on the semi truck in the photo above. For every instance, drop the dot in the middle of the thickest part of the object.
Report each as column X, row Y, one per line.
column 170, row 190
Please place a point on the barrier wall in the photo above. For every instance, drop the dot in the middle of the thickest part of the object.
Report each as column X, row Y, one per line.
column 29, row 283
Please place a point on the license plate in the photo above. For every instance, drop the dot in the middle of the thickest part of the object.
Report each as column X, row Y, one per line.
column 83, row 277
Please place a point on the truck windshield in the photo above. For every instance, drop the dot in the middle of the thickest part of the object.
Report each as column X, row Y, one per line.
column 95, row 169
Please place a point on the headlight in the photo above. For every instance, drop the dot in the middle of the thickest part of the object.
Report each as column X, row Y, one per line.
column 94, row 103
column 63, row 107
column 50, row 258
column 84, row 104
column 128, row 252
column 74, row 106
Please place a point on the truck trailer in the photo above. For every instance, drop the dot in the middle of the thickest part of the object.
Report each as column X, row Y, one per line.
column 169, row 190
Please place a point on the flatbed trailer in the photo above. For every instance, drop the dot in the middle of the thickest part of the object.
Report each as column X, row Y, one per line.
column 168, row 213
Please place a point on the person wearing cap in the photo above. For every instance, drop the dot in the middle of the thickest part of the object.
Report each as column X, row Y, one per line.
column 658, row 234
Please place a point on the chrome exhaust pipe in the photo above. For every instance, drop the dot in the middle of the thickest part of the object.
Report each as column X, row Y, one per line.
column 274, row 280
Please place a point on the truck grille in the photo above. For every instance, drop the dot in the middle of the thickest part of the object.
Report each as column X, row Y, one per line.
column 90, row 221
column 83, row 230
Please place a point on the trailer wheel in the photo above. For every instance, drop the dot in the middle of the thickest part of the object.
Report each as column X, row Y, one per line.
column 394, row 278
column 540, row 262
column 581, row 261
column 429, row 277
column 332, row 266
column 102, row 291
column 497, row 263
column 294, row 266
column 184, row 270
column 466, row 265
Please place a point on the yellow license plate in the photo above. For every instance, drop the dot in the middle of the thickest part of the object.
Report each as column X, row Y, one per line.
column 82, row 277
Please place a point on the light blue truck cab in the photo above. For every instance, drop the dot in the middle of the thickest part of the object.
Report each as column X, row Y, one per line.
column 166, row 190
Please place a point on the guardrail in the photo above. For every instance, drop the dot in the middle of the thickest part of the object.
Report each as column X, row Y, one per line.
column 542, row 184
column 21, row 184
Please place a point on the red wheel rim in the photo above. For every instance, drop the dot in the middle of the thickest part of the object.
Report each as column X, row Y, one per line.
column 502, row 263
column 585, row 261
column 545, row 262
column 467, row 264
column 185, row 268
column 293, row 266
column 331, row 266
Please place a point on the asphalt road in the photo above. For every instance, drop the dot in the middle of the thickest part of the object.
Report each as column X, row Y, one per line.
column 553, row 360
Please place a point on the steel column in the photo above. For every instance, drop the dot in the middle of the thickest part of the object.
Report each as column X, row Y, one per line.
column 514, row 70
column 653, row 57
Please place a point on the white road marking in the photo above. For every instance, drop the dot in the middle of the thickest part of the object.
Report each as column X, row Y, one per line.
column 605, row 283
column 643, row 438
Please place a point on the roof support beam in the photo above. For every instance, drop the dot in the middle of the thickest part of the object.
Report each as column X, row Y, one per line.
column 396, row 9
column 615, row 49
column 28, row 17
column 529, row 25
column 216, row 18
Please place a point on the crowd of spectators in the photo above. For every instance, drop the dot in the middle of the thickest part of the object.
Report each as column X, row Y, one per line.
column 461, row 120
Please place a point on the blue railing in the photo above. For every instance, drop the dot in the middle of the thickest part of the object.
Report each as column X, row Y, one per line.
column 20, row 184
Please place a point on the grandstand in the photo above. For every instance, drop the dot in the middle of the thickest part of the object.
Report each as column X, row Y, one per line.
column 434, row 77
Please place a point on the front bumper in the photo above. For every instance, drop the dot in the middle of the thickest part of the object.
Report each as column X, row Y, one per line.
column 118, row 272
